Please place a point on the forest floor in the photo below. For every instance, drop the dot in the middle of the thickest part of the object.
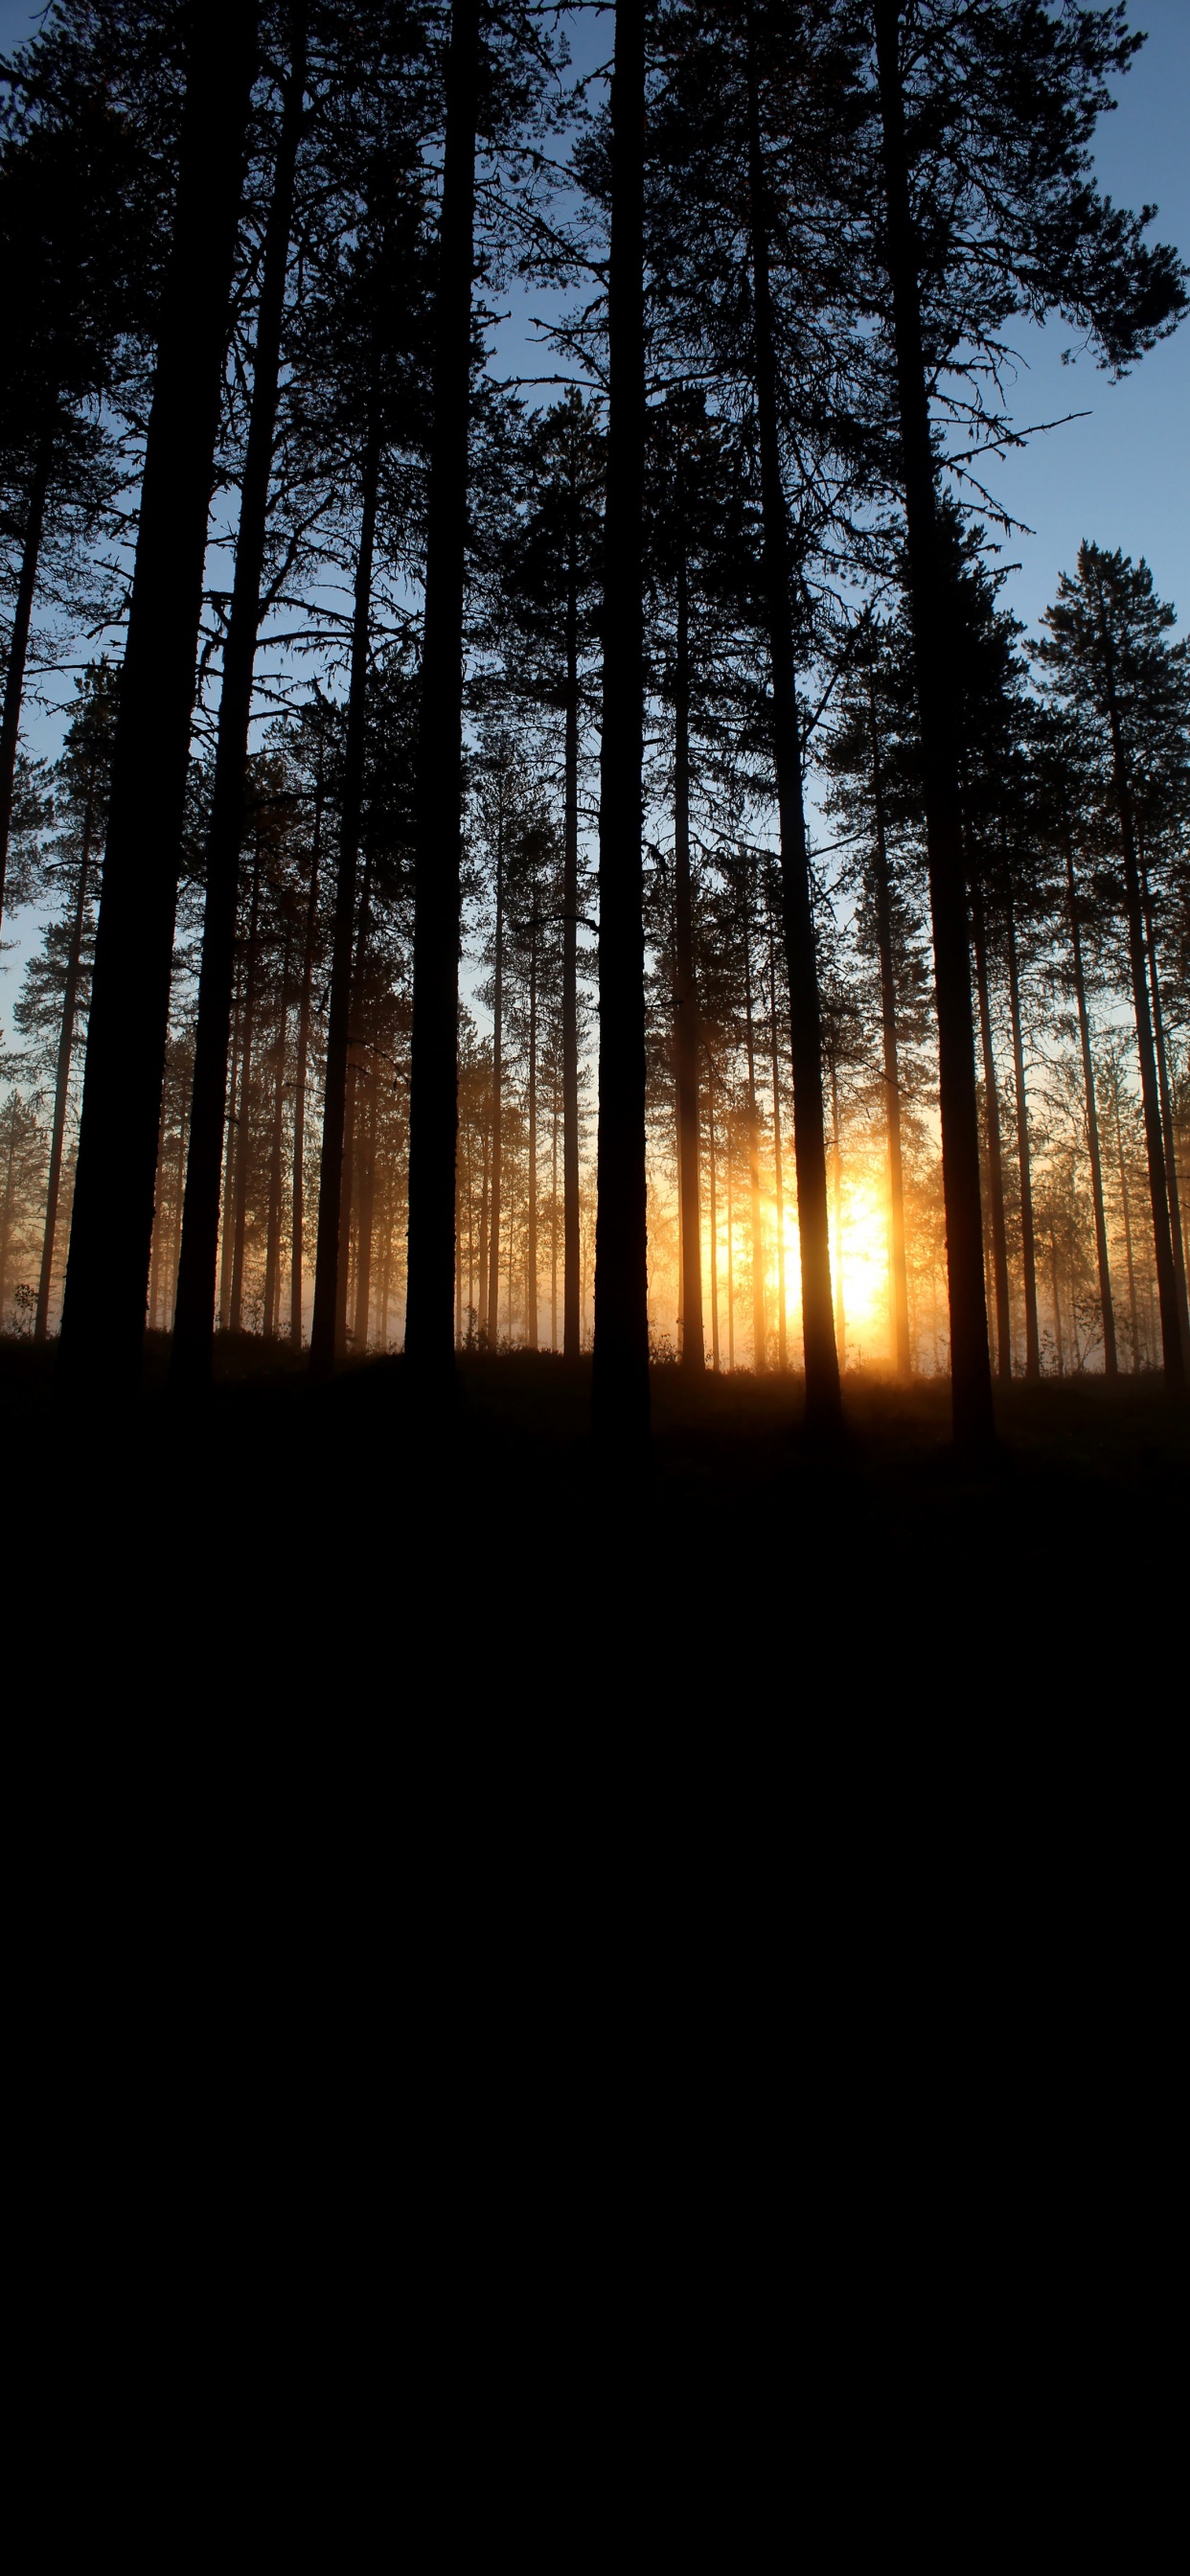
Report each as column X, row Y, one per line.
column 481, row 1566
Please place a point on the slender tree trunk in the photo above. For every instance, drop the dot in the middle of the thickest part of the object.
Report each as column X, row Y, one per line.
column 686, row 1029
column 175, row 1249
column 531, row 1332
column 995, row 1150
column 823, row 1399
column 6, row 1213
column 244, row 1131
column 194, row 1320
column 730, row 1255
column 353, row 1122
column 103, row 1319
column 1028, row 1243
column 778, row 1176
column 62, row 1078
column 759, row 1336
column 429, row 1328
column 1107, row 1308
column 483, row 1248
column 18, row 648
column 898, row 1273
column 714, row 1223
column 331, row 1261
column 971, row 1383
column 235, row 1112
column 297, row 1222
column 497, row 1077
column 554, row 1219
column 1057, row 1295
column 571, row 1219
column 1167, row 1123
column 1167, row 1289
column 620, row 1382
column 837, row 1176
column 1132, row 1304
column 363, row 1258
column 158, row 1216
column 272, row 1261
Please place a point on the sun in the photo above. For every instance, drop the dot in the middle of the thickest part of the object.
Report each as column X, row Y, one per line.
column 859, row 1263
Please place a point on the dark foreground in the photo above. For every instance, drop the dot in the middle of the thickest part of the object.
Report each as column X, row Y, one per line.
column 299, row 1556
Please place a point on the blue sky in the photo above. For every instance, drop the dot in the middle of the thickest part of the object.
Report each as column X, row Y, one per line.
column 1120, row 475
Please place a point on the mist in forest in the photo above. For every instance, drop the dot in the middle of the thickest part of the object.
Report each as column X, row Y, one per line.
column 561, row 896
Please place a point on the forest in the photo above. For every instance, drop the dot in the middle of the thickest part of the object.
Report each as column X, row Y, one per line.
column 556, row 841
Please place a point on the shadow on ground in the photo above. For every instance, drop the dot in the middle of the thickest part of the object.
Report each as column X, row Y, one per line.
column 471, row 1560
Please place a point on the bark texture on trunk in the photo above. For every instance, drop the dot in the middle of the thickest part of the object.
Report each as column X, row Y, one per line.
column 995, row 1150
column 823, row 1398
column 1167, row 1286
column 434, row 1106
column 898, row 1272
column 62, row 1078
column 330, row 1264
column 620, row 1377
column 107, row 1274
column 571, row 1259
column 971, row 1380
column 686, row 1030
column 18, row 650
column 194, row 1317
column 1107, row 1308
column 1024, row 1159
column 297, row 1221
column 1168, row 1129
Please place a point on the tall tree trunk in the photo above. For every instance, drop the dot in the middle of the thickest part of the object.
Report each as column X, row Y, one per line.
column 620, row 1381
column 239, row 1218
column 759, row 1336
column 554, row 1218
column 158, row 1216
column 331, row 1259
column 483, row 1248
column 434, row 1105
column 714, row 1220
column 532, row 1214
column 571, row 1255
column 18, row 648
column 1024, row 1160
column 1057, row 1297
column 823, row 1399
column 235, row 1112
column 179, row 1183
column 1167, row 1121
column 1107, row 1308
column 497, row 1079
column 778, row 1175
column 730, row 1253
column 103, row 1319
column 995, row 1149
column 367, row 1193
column 686, row 1030
column 6, row 1209
column 62, row 1077
column 837, row 1177
column 898, row 1272
column 971, row 1381
column 297, row 1221
column 272, row 1259
column 355, row 1112
column 1167, row 1288
column 194, row 1319
column 1132, row 1304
